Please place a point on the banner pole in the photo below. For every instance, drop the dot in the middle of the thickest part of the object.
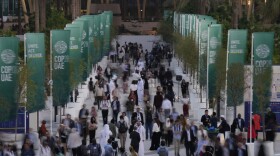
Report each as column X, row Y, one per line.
column 207, row 76
column 226, row 97
column 251, row 86
column 51, row 86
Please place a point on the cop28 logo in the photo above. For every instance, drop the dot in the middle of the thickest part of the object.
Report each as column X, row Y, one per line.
column 8, row 56
column 262, row 51
column 60, row 47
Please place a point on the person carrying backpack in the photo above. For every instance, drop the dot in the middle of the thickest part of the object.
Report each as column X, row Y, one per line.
column 162, row 150
column 123, row 127
column 94, row 149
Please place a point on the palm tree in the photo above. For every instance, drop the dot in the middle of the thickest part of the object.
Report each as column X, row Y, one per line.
column 43, row 14
column 139, row 9
column 144, row 9
column 37, row 14
column 237, row 12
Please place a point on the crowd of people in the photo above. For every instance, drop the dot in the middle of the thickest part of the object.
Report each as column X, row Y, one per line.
column 144, row 117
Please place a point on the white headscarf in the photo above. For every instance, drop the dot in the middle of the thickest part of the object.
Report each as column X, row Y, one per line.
column 167, row 122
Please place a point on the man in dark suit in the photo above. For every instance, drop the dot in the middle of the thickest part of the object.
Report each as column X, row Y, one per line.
column 238, row 123
column 135, row 139
column 115, row 104
column 138, row 116
column 205, row 119
column 189, row 139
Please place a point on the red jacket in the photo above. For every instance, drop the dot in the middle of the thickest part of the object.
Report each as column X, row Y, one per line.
column 253, row 132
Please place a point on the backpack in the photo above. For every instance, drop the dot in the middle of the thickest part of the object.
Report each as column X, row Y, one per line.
column 95, row 150
column 162, row 151
column 123, row 128
column 115, row 145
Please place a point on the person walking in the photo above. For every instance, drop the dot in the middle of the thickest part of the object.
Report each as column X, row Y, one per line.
column 135, row 139
column 224, row 126
column 99, row 93
column 184, row 88
column 167, row 132
column 91, row 88
column 113, row 128
column 189, row 140
column 105, row 109
column 115, row 104
column 177, row 133
column 138, row 116
column 92, row 127
column 83, row 115
column 149, row 122
column 214, row 120
column 141, row 131
column 104, row 136
column 270, row 125
column 94, row 148
column 74, row 142
column 158, row 98
column 162, row 150
column 108, row 72
column 44, row 149
column 166, row 106
column 156, row 135
column 123, row 127
column 130, row 107
column 108, row 149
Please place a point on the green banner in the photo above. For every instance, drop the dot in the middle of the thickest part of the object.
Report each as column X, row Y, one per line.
column 60, row 66
column 263, row 47
column 75, row 62
column 236, row 52
column 96, row 37
column 214, row 45
column 102, row 32
column 187, row 26
column 9, row 47
column 90, row 19
column 107, row 32
column 34, row 47
column 85, row 45
column 237, row 46
column 203, row 44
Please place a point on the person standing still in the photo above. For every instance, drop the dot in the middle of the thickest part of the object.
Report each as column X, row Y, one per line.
column 205, row 119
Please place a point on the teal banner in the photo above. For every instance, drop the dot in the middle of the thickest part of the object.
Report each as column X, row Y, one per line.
column 203, row 45
column 84, row 46
column 107, row 32
column 75, row 62
column 236, row 52
column 102, row 33
column 34, row 48
column 263, row 47
column 237, row 46
column 214, row 45
column 9, row 48
column 96, row 37
column 90, row 19
column 60, row 66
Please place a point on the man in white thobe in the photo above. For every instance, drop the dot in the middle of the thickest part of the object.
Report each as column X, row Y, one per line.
column 140, row 91
column 141, row 130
